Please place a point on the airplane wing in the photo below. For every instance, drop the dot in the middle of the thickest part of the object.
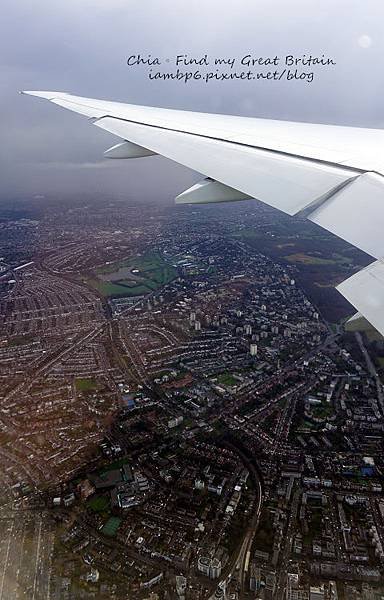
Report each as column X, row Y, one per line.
column 332, row 175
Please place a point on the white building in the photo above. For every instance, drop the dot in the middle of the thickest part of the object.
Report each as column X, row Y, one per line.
column 253, row 349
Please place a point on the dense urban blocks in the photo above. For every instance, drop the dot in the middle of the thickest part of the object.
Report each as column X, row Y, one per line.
column 217, row 434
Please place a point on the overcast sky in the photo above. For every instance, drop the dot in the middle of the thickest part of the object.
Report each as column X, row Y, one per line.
column 81, row 46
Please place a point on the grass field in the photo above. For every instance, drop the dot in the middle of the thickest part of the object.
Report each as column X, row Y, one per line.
column 85, row 385
column 307, row 259
column 227, row 379
column 135, row 276
column 98, row 503
column 111, row 526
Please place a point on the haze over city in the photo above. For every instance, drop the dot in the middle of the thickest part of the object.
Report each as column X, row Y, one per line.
column 185, row 413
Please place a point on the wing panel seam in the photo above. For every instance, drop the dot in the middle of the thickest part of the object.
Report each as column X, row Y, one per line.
column 95, row 120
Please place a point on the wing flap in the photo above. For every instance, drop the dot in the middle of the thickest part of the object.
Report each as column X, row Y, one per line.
column 356, row 213
column 365, row 290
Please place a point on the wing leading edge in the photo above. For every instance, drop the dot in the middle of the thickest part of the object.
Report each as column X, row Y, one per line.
column 332, row 175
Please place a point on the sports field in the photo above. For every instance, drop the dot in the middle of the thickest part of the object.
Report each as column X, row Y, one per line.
column 85, row 384
column 227, row 379
column 111, row 526
column 135, row 276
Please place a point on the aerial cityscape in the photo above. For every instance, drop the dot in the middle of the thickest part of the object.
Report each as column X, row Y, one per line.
column 183, row 413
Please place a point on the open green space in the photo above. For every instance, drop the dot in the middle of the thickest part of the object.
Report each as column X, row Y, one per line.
column 323, row 410
column 98, row 503
column 307, row 259
column 111, row 526
column 227, row 379
column 85, row 384
column 135, row 276
column 311, row 259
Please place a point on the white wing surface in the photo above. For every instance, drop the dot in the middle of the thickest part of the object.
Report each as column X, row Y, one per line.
column 332, row 175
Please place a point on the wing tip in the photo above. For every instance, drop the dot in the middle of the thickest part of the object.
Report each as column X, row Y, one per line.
column 41, row 94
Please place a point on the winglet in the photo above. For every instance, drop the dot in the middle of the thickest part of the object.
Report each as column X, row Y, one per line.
column 46, row 95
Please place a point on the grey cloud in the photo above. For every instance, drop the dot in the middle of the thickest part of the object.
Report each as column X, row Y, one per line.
column 81, row 46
